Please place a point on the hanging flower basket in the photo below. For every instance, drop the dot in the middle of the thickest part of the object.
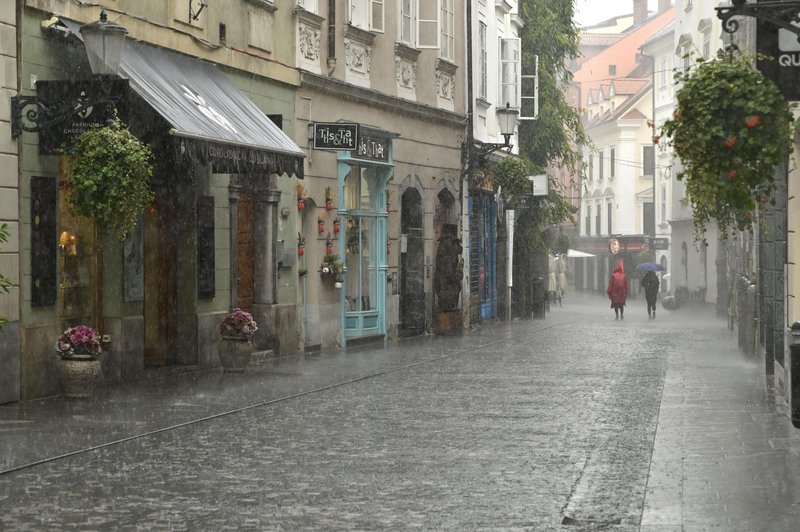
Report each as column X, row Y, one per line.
column 730, row 129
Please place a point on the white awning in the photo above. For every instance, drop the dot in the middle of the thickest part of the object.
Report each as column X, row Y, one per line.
column 575, row 254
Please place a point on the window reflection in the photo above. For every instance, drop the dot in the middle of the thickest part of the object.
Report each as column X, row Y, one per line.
column 361, row 261
column 359, row 189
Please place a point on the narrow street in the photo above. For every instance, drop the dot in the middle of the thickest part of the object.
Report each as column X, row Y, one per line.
column 576, row 422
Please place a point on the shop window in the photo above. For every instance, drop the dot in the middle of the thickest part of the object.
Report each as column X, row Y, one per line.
column 205, row 247
column 76, row 251
column 361, row 244
column 43, row 241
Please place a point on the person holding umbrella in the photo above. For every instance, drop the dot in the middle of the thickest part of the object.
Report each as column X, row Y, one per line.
column 618, row 290
column 650, row 285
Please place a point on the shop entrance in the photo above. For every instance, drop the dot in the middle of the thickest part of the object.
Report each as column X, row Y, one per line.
column 412, row 266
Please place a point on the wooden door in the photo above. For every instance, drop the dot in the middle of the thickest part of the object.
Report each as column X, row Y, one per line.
column 244, row 253
column 161, row 286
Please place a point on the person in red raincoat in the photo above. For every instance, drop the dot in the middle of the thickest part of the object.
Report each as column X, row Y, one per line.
column 618, row 290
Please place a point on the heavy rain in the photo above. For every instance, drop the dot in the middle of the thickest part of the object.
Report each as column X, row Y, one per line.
column 398, row 265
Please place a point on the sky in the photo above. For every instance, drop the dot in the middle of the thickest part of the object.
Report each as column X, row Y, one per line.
column 588, row 12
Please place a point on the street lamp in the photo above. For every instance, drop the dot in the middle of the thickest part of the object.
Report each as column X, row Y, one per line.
column 779, row 13
column 104, row 42
column 507, row 118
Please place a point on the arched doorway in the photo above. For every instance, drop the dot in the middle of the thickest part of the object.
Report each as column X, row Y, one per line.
column 448, row 272
column 412, row 265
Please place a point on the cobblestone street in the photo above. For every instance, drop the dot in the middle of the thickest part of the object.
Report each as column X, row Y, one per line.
column 576, row 422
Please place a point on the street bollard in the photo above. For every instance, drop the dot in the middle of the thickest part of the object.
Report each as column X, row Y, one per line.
column 794, row 373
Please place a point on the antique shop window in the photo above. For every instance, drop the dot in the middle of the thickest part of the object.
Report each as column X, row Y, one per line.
column 76, row 253
column 205, row 248
column 43, row 239
column 361, row 258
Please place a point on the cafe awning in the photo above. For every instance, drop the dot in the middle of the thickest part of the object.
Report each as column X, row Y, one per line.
column 202, row 104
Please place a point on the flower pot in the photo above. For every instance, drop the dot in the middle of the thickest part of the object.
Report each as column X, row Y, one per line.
column 301, row 205
column 300, row 251
column 79, row 375
column 321, row 227
column 336, row 227
column 234, row 353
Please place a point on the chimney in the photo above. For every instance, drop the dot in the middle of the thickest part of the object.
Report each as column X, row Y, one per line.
column 664, row 5
column 639, row 11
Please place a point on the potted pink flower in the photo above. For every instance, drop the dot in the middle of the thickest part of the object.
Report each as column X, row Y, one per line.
column 79, row 368
column 236, row 343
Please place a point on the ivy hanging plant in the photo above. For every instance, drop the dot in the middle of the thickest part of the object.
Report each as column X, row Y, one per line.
column 111, row 171
column 730, row 128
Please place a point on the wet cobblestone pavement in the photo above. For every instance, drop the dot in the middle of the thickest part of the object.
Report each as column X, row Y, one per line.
column 576, row 422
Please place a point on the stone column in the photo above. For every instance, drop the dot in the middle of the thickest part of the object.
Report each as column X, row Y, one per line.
column 233, row 205
column 265, row 265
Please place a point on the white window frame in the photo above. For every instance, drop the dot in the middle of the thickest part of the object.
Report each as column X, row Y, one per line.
column 418, row 25
column 409, row 38
column 428, row 26
column 366, row 14
column 529, row 93
column 510, row 75
column 448, row 30
column 312, row 6
column 483, row 61
column 376, row 16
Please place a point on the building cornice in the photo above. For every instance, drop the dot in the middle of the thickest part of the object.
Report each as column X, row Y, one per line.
column 378, row 100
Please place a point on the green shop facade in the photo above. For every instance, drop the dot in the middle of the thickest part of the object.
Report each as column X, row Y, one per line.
column 209, row 243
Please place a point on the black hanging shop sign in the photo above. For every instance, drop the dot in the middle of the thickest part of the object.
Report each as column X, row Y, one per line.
column 68, row 108
column 779, row 57
column 335, row 136
column 373, row 148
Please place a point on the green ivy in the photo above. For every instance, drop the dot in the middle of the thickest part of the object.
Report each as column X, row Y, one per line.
column 111, row 171
column 731, row 127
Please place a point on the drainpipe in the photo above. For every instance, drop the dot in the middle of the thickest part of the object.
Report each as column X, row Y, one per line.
column 466, row 156
column 331, row 36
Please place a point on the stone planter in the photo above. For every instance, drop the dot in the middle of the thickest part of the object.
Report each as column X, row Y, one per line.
column 234, row 353
column 80, row 375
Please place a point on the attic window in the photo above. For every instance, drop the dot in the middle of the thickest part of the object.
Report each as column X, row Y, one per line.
column 612, row 70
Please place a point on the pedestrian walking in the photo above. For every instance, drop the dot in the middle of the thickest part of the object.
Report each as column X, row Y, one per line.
column 552, row 279
column 561, row 268
column 618, row 290
column 650, row 285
